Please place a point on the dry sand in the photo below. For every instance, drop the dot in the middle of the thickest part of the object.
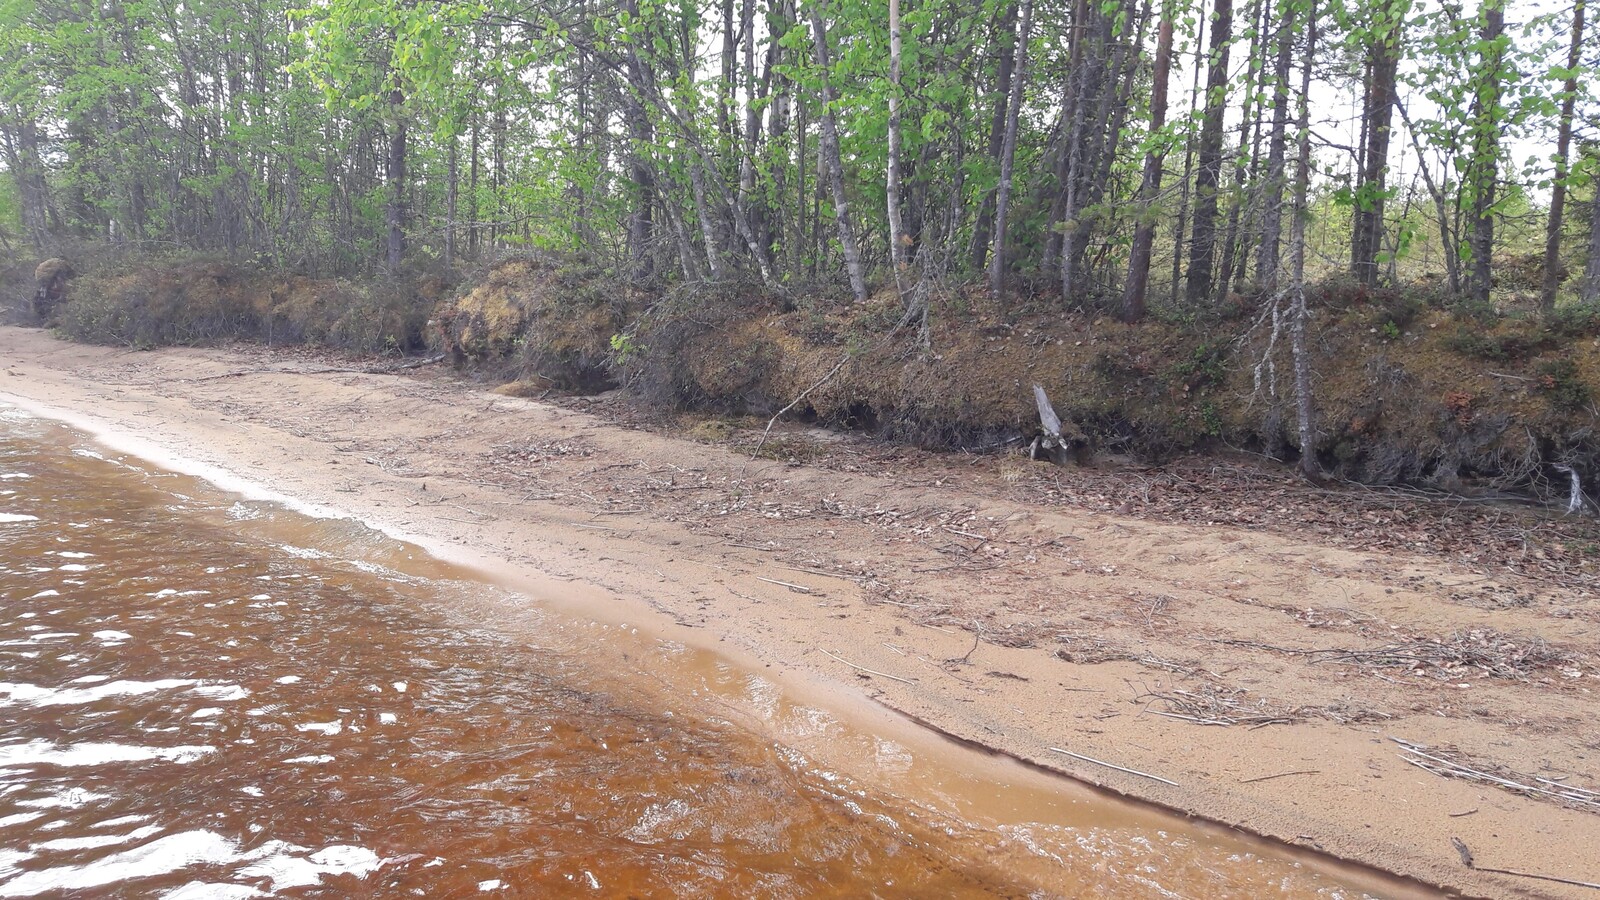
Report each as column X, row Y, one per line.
column 1184, row 651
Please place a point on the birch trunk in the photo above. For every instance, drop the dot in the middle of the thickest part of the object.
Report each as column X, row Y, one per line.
column 831, row 160
column 1303, row 400
column 897, row 241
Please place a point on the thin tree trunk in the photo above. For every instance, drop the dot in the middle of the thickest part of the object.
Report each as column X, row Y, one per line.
column 1085, row 145
column 1558, row 192
column 997, row 132
column 798, row 244
column 1183, row 187
column 1589, row 292
column 394, row 211
column 1208, row 169
column 1267, row 260
column 1008, row 153
column 450, row 205
column 641, row 134
column 1483, row 168
column 27, row 169
column 1383, row 62
column 897, row 239
column 754, row 101
column 835, row 166
column 1248, row 116
column 1144, row 235
column 708, row 228
column 1449, row 235
column 1303, row 400
column 680, row 236
column 472, row 189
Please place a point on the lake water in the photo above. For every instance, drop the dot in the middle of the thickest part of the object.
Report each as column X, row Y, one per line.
column 208, row 696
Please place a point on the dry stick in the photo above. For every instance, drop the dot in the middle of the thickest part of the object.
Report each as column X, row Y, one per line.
column 1467, row 860
column 977, row 635
column 1098, row 762
column 796, row 402
column 1571, row 795
column 871, row 671
column 793, row 587
column 904, row 321
column 845, row 575
column 1556, row 878
column 1280, row 775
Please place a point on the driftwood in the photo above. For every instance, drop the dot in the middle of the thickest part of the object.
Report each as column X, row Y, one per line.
column 1099, row 762
column 1052, row 442
column 1576, row 496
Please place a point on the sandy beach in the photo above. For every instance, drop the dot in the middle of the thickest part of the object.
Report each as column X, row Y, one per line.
column 1266, row 678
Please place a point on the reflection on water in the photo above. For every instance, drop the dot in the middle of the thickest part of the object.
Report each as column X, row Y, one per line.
column 208, row 697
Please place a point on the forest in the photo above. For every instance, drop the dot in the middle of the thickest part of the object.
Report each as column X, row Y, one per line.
column 1336, row 183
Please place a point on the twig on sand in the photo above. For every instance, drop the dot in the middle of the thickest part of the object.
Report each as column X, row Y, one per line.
column 844, row 575
column 871, row 671
column 1280, row 775
column 1100, row 762
column 1556, row 878
column 800, row 588
column 1466, row 859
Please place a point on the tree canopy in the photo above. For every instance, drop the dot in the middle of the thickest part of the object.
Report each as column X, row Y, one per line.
column 1115, row 153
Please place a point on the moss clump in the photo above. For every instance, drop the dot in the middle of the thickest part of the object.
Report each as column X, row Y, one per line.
column 535, row 317
column 1559, row 381
column 203, row 302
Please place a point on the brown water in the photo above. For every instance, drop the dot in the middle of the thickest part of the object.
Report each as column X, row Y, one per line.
column 206, row 696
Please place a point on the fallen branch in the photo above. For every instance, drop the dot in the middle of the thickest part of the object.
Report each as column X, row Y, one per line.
column 1528, row 785
column 793, row 587
column 1280, row 775
column 796, row 402
column 1090, row 759
column 844, row 575
column 1465, row 853
column 1575, row 498
column 871, row 671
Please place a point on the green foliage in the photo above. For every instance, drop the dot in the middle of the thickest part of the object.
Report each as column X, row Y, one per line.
column 1558, row 380
column 1574, row 320
column 1203, row 367
column 623, row 348
column 1496, row 347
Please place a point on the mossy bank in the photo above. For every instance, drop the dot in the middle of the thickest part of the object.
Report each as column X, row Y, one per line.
column 1408, row 389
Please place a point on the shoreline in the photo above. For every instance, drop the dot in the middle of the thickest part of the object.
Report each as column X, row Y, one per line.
column 280, row 428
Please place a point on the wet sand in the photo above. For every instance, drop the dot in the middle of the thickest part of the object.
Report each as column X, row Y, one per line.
column 682, row 539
